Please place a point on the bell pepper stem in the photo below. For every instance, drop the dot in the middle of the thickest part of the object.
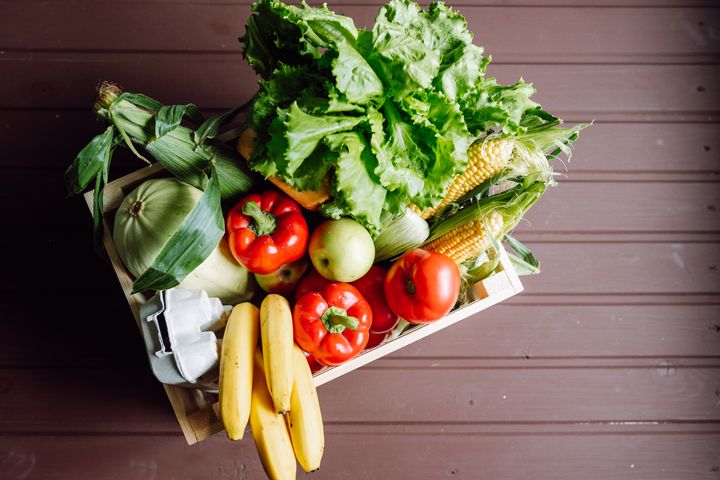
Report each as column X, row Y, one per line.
column 263, row 222
column 336, row 320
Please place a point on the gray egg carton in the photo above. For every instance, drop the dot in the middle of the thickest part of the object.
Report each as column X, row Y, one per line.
column 180, row 328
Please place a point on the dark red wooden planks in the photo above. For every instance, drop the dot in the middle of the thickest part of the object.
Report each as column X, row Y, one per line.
column 593, row 91
column 129, row 400
column 511, row 335
column 375, row 453
column 652, row 206
column 515, row 35
column 615, row 150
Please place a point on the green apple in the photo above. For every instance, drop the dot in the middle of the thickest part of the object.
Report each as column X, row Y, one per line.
column 341, row 250
column 285, row 279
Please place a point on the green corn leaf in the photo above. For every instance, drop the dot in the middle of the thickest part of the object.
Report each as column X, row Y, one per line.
column 168, row 117
column 479, row 270
column 89, row 162
column 128, row 140
column 522, row 251
column 190, row 245
column 140, row 100
column 211, row 127
column 176, row 151
column 98, row 209
column 522, row 268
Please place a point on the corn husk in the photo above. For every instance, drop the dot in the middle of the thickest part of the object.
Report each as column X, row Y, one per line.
column 400, row 234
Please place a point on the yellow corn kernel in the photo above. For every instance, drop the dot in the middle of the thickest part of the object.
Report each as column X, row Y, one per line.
column 468, row 240
column 485, row 159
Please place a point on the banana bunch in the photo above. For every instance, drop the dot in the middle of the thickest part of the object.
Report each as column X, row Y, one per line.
column 271, row 388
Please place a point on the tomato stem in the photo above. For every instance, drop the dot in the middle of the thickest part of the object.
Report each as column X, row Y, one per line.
column 336, row 320
column 410, row 287
column 263, row 222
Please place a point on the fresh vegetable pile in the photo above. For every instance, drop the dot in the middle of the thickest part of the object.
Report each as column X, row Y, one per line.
column 386, row 114
column 374, row 177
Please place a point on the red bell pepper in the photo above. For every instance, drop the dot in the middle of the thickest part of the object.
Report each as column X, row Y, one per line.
column 371, row 285
column 332, row 324
column 266, row 231
column 422, row 286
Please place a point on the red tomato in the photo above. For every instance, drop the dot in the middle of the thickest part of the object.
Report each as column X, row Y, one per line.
column 314, row 364
column 376, row 339
column 422, row 286
column 371, row 285
column 312, row 282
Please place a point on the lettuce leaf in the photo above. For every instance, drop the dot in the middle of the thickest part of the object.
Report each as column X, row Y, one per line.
column 413, row 159
column 354, row 77
column 295, row 135
column 460, row 70
column 278, row 33
column 403, row 61
column 497, row 107
column 386, row 114
column 358, row 192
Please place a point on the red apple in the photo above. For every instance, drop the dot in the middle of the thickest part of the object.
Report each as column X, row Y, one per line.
column 284, row 280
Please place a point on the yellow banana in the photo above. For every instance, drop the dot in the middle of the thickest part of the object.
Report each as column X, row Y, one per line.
column 271, row 435
column 236, row 368
column 304, row 418
column 277, row 345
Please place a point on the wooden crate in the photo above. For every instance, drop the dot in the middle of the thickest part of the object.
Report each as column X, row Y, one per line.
column 196, row 410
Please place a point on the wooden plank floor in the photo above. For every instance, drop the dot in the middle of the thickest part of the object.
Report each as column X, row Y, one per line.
column 607, row 367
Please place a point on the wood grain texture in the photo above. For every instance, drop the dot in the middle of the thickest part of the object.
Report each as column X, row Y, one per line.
column 375, row 3
column 577, row 268
column 667, row 391
column 635, row 268
column 607, row 367
column 516, row 35
column 508, row 334
column 66, row 80
column 605, row 151
column 426, row 455
column 667, row 204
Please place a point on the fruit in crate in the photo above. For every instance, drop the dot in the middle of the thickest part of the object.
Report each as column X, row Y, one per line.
column 341, row 250
column 147, row 219
column 269, row 430
column 404, row 147
column 236, row 368
column 285, row 279
column 276, row 332
column 304, row 418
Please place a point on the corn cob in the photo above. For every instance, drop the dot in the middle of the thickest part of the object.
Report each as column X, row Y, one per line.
column 134, row 116
column 486, row 159
column 468, row 239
